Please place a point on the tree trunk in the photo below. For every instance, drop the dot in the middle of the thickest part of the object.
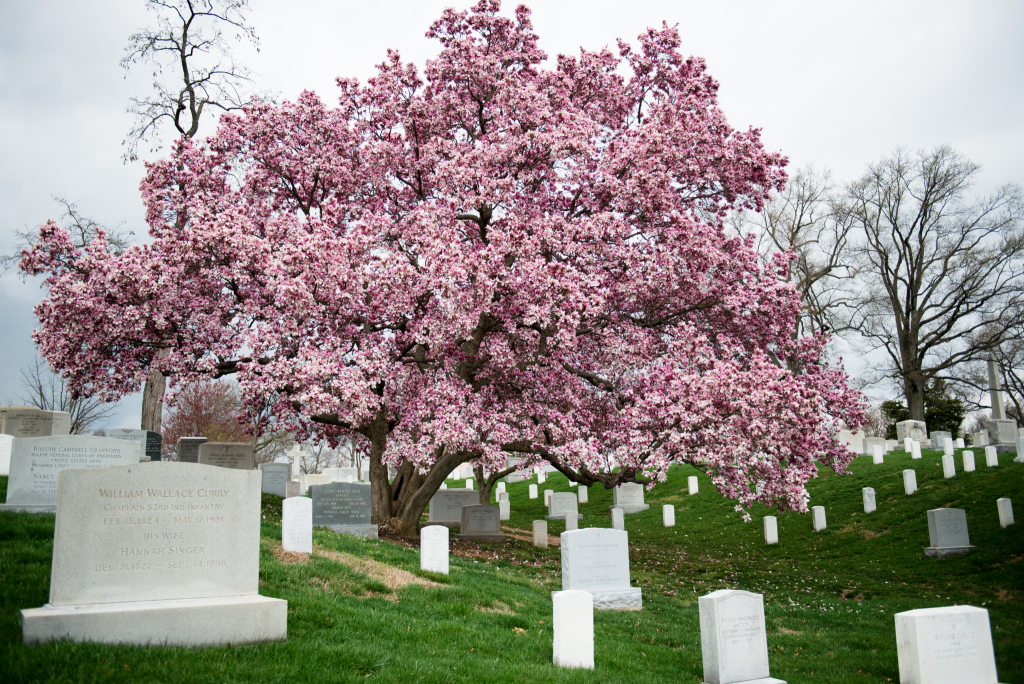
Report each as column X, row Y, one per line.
column 153, row 400
column 913, row 389
column 487, row 483
column 380, row 487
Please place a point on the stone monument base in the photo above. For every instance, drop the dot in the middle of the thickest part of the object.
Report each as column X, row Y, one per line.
column 488, row 538
column 579, row 516
column 180, row 622
column 369, row 531
column 946, row 551
column 618, row 599
column 29, row 508
column 630, row 508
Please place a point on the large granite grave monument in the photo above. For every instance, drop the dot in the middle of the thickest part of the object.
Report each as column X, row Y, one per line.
column 148, row 441
column 36, row 464
column 162, row 553
column 343, row 507
column 275, row 478
column 911, row 429
column 446, row 506
column 629, row 496
column 188, row 449
column 481, row 522
column 947, row 533
column 29, row 421
column 596, row 560
column 234, row 455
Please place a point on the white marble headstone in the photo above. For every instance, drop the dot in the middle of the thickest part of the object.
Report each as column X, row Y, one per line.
column 991, row 457
column 562, row 503
column 6, row 443
column 297, row 524
column 1005, row 508
column 596, row 560
column 771, row 530
column 947, row 446
column 583, row 494
column 877, row 454
column 733, row 641
column 618, row 519
column 668, row 515
column 950, row 645
column 947, row 532
column 818, row 513
column 909, row 481
column 504, row 508
column 691, row 484
column 948, row 467
column 547, row 497
column 533, row 491
column 868, row 494
column 968, row 457
column 540, row 533
column 434, row 549
column 275, row 478
column 573, row 627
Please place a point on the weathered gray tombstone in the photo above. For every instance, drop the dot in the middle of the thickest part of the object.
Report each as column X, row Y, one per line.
column 968, row 457
column 912, row 429
column 948, row 467
column 596, row 560
column 234, row 455
column 949, row 645
column 148, row 441
column 771, row 530
column 939, row 437
column 275, row 478
column 562, row 503
column 1002, row 431
column 692, row 485
column 292, row 488
column 668, row 515
column 434, row 549
column 868, row 495
column 991, row 457
column 947, row 532
column 909, row 481
column 162, row 554
column 6, row 444
column 733, row 641
column 29, row 421
column 583, row 495
column 818, row 515
column 36, row 464
column 618, row 519
column 446, row 506
column 188, row 449
column 540, row 533
column 979, row 439
column 629, row 496
column 573, row 627
column 343, row 507
column 297, row 524
column 481, row 523
column 1005, row 508
column 871, row 442
column 571, row 522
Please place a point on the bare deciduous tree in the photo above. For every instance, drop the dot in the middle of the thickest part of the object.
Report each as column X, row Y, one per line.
column 940, row 273
column 81, row 227
column 188, row 45
column 44, row 390
column 188, row 42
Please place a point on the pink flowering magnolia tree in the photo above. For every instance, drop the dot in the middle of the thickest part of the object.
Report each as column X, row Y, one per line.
column 495, row 257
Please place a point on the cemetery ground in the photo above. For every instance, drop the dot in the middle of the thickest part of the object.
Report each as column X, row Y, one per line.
column 361, row 610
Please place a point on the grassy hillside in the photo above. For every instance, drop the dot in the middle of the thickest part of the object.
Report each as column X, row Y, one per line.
column 362, row 610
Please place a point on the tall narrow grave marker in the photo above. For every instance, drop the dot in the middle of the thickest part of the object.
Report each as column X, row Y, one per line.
column 434, row 549
column 573, row 627
column 733, row 641
column 297, row 524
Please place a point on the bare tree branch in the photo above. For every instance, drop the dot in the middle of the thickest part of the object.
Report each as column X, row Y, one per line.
column 44, row 390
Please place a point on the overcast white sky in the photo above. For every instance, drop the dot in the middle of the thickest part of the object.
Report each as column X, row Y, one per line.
column 836, row 84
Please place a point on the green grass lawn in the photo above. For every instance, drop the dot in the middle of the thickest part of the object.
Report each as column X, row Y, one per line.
column 829, row 596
